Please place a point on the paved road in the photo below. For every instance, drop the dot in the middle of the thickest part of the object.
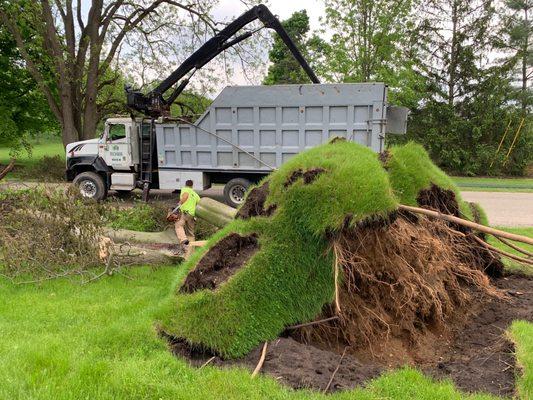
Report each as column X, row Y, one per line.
column 503, row 208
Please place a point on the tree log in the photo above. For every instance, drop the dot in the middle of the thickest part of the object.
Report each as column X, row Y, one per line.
column 214, row 212
column 124, row 235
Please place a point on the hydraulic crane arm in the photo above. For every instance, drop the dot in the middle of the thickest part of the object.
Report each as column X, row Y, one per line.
column 154, row 104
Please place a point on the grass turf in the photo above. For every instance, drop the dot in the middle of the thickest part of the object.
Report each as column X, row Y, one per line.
column 410, row 170
column 65, row 341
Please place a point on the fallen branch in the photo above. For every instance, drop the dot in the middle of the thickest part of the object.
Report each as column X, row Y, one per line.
column 502, row 252
column 7, row 169
column 469, row 224
column 124, row 235
column 261, row 361
column 336, row 369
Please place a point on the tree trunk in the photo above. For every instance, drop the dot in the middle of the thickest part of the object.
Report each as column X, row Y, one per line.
column 524, row 62
column 69, row 132
column 453, row 56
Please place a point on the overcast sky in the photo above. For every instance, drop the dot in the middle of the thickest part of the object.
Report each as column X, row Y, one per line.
column 282, row 8
column 227, row 10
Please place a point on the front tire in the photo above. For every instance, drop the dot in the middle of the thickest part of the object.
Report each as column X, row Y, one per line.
column 91, row 186
column 235, row 190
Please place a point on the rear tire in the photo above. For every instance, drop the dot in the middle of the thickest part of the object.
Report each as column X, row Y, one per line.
column 235, row 190
column 91, row 186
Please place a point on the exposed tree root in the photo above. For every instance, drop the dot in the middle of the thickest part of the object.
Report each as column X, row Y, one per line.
column 397, row 282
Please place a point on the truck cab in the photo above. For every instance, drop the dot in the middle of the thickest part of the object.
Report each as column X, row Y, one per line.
column 108, row 162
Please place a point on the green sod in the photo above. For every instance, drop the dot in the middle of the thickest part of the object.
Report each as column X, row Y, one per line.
column 290, row 278
column 411, row 170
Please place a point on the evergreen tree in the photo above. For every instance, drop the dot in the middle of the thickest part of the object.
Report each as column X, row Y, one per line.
column 515, row 38
column 284, row 68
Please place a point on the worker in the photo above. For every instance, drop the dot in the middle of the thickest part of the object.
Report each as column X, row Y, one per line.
column 186, row 209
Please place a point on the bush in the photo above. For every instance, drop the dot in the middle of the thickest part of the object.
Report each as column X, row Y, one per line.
column 47, row 234
column 46, row 169
column 141, row 217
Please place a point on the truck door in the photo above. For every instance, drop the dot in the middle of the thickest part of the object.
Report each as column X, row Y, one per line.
column 117, row 146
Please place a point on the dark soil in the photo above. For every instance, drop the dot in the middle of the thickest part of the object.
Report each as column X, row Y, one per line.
column 308, row 176
column 254, row 206
column 220, row 262
column 477, row 356
column 438, row 199
column 384, row 157
column 444, row 201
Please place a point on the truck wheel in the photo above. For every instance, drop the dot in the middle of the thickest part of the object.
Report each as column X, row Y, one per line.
column 91, row 186
column 235, row 190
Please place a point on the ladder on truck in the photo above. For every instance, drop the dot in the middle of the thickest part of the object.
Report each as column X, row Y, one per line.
column 147, row 138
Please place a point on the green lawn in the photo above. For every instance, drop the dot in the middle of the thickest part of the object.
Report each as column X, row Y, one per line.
column 477, row 184
column 30, row 166
column 510, row 264
column 60, row 340
column 51, row 147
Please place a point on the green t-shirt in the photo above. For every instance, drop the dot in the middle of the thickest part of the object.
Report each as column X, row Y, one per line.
column 189, row 206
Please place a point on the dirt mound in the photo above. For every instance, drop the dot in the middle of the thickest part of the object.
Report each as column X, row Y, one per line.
column 220, row 262
column 254, row 206
column 384, row 157
column 475, row 355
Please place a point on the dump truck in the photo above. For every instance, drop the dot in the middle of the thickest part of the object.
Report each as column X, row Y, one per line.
column 246, row 132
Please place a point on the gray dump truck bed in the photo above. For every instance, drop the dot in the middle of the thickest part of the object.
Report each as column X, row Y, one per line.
column 257, row 128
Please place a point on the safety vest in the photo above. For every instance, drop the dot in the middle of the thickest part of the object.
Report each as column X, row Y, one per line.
column 189, row 206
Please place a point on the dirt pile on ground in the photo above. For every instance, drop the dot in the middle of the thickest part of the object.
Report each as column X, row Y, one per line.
column 220, row 262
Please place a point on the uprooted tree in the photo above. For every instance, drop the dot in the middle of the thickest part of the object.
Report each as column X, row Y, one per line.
column 325, row 237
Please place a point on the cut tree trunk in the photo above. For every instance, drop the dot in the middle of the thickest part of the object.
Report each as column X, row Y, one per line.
column 124, row 235
column 214, row 212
